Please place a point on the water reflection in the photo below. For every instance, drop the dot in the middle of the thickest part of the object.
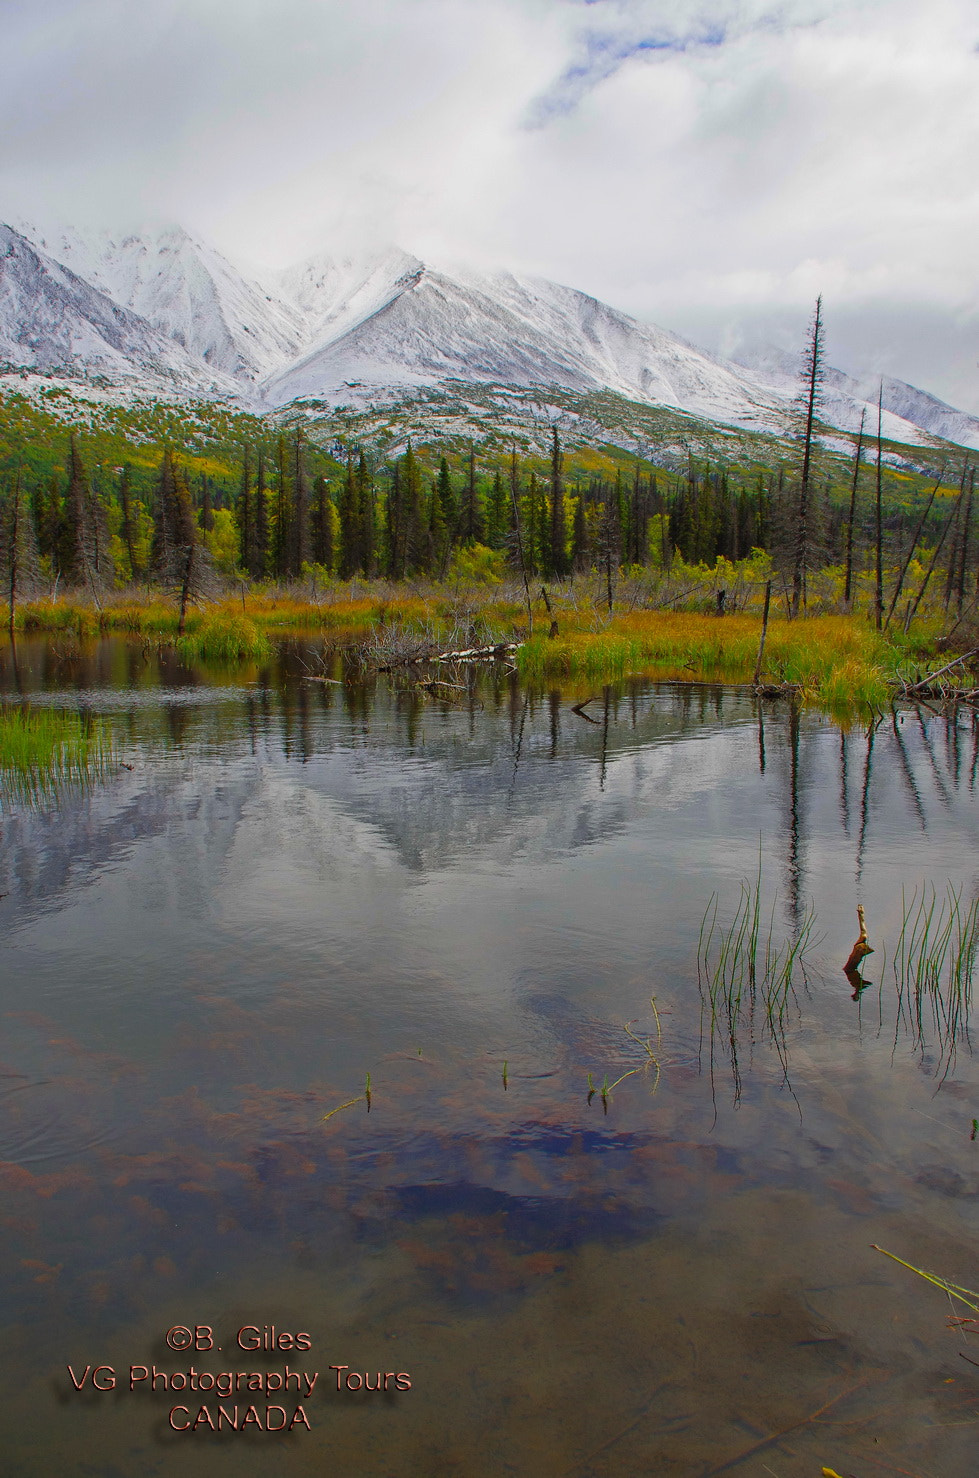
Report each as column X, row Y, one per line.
column 300, row 883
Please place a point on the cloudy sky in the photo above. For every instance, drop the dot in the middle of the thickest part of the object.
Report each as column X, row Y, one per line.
column 710, row 165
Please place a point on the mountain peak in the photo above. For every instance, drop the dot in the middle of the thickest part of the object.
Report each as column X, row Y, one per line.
column 338, row 327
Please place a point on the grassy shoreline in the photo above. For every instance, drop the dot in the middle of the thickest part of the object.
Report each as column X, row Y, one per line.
column 837, row 661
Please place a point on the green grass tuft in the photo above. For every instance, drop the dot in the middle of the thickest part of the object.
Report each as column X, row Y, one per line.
column 42, row 750
column 225, row 636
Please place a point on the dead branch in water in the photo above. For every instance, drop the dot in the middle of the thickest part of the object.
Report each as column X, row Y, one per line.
column 926, row 682
column 862, row 948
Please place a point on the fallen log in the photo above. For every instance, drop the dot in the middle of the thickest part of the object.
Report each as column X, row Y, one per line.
column 927, row 681
column 478, row 654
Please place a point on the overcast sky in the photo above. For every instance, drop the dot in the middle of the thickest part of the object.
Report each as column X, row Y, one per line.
column 708, row 166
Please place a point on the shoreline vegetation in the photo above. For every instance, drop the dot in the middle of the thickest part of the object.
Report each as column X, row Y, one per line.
column 219, row 536
column 561, row 631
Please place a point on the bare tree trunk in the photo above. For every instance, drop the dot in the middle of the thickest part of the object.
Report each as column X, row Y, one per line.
column 185, row 588
column 764, row 632
column 516, row 530
column 848, row 579
column 813, row 376
column 14, row 544
column 953, row 558
column 964, row 551
column 879, row 524
column 913, row 608
column 910, row 554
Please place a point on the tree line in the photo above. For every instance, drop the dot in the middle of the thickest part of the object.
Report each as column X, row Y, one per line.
column 291, row 509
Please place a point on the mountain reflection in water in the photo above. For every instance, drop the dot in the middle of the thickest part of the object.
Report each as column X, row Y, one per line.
column 302, row 883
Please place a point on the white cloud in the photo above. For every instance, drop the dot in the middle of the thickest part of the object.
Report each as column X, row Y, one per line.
column 709, row 165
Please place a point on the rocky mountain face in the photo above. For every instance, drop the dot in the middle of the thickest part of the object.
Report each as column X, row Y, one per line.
column 164, row 312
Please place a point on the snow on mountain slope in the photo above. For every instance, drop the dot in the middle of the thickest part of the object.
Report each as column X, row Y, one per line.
column 910, row 415
column 165, row 308
column 189, row 292
column 53, row 320
column 498, row 328
column 918, row 408
column 336, row 293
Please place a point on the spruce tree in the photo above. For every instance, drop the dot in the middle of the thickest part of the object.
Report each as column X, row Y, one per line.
column 610, row 541
column 451, row 514
column 497, row 520
column 281, row 545
column 558, row 533
column 187, row 548
column 366, row 518
column 207, row 505
column 75, row 559
column 261, row 536
column 299, row 524
column 49, row 520
column 246, row 520
column 162, row 556
column 532, row 526
column 351, row 546
column 18, row 545
column 579, row 539
column 322, row 520
column 177, row 552
column 103, row 569
column 414, row 536
column 395, row 526
column 438, row 538
column 128, row 529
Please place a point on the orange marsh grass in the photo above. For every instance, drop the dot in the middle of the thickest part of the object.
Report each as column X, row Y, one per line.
column 840, row 661
column 833, row 659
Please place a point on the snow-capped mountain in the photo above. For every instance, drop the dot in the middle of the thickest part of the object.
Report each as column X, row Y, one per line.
column 51, row 320
column 336, row 293
column 429, row 327
column 188, row 292
column 163, row 310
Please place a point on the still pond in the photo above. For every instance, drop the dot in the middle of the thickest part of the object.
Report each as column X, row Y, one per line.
column 594, row 1202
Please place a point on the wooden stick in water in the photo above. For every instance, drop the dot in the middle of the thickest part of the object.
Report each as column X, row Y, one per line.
column 861, row 948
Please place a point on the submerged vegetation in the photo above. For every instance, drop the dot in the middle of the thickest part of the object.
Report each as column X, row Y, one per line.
column 967, row 1296
column 746, row 973
column 41, row 751
column 650, row 1063
column 934, row 964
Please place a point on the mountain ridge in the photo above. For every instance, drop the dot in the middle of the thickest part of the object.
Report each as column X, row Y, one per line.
column 163, row 311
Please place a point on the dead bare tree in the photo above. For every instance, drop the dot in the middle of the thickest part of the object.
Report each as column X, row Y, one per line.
column 848, row 577
column 812, row 377
column 879, row 522
column 911, row 548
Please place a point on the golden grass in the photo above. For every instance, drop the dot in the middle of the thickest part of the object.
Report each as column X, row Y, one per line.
column 836, row 660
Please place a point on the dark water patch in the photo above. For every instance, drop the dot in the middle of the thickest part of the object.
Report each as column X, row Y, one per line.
column 531, row 1223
